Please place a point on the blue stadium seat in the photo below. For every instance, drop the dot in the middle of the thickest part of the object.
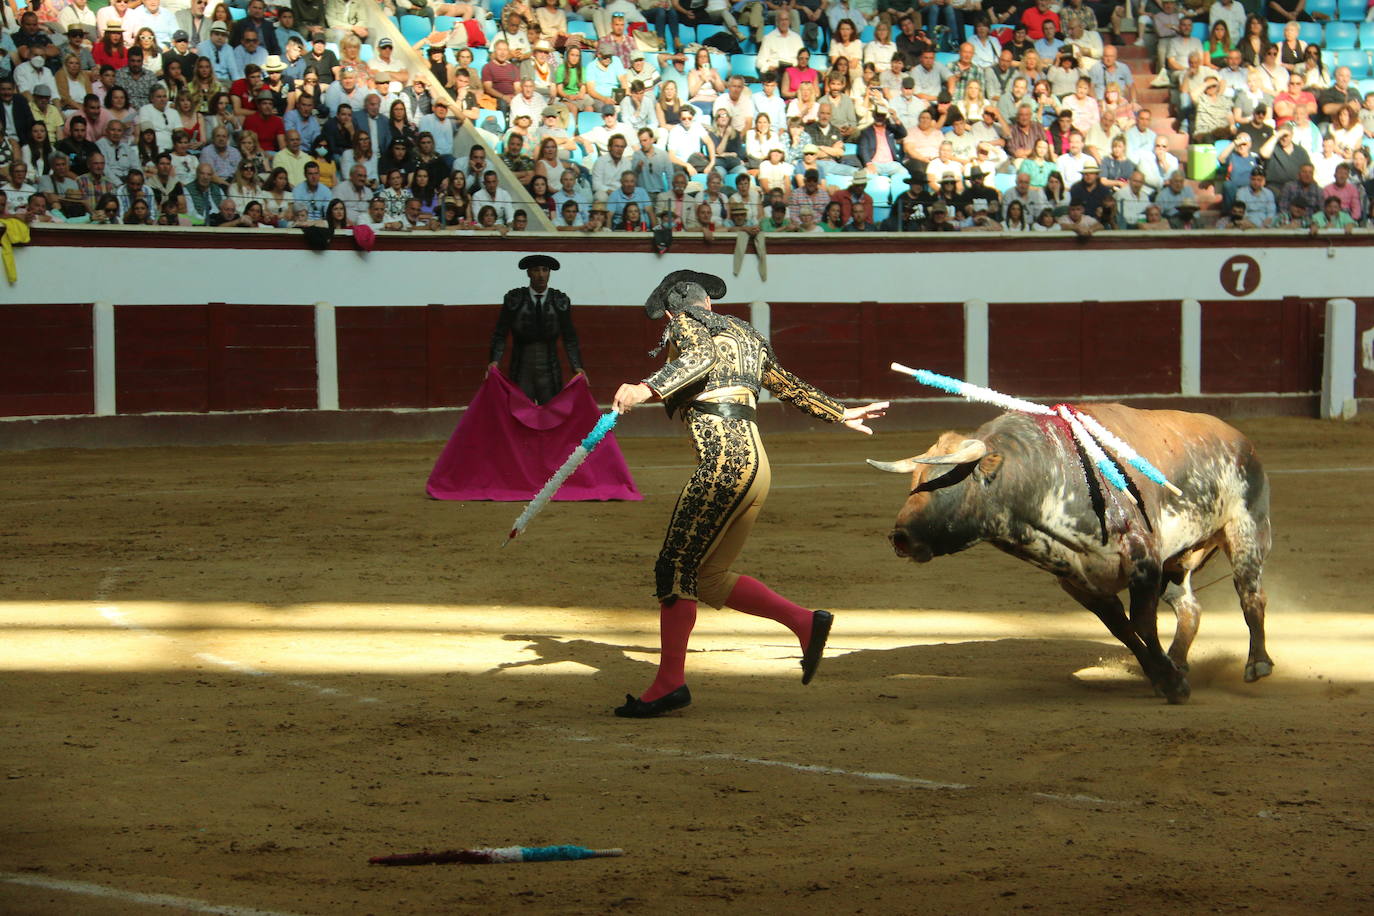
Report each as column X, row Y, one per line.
column 585, row 29
column 706, row 31
column 1352, row 10
column 838, row 182
column 867, row 34
column 1310, row 32
column 366, row 53
column 489, row 28
column 698, row 179
column 1329, row 59
column 236, row 14
column 946, row 57
column 897, row 187
column 744, row 65
column 820, row 62
column 496, row 7
column 1366, row 85
column 586, row 120
column 880, row 213
column 1357, row 61
column 444, row 23
column 851, row 149
column 480, row 56
column 413, row 28
column 1275, row 32
column 1200, row 31
column 1341, row 35
column 1003, row 181
column 1367, row 35
column 1325, row 7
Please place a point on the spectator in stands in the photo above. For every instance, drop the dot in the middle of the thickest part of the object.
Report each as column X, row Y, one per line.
column 204, row 195
column 780, row 47
column 120, row 155
column 1333, row 218
column 1294, row 99
column 1177, row 201
column 629, row 192
column 1260, row 206
column 690, row 148
column 1342, row 96
column 1078, row 221
column 879, row 148
column 355, row 193
column 1297, row 216
column 1090, row 192
column 1352, row 195
column 493, row 195
column 1072, row 163
column 1213, row 116
column 679, row 202
column 1117, row 168
column 775, row 172
column 1236, row 218
column 607, row 172
column 810, row 197
column 651, row 164
column 1133, row 200
column 500, row 75
column 1284, row 159
column 1154, row 220
column 277, row 198
column 311, row 197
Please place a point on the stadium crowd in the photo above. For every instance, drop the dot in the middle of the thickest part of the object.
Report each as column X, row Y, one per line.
column 699, row 115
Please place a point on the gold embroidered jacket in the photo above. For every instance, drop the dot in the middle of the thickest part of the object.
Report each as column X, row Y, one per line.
column 727, row 354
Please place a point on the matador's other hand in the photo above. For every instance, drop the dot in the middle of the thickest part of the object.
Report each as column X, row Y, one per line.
column 627, row 396
column 854, row 416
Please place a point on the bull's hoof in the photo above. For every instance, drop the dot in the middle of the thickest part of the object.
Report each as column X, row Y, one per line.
column 1256, row 670
column 1176, row 691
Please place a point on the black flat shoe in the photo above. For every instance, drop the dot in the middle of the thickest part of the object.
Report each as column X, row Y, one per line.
column 820, row 632
column 635, row 708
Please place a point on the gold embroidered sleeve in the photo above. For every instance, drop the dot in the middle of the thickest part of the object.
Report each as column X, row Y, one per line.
column 696, row 356
column 787, row 387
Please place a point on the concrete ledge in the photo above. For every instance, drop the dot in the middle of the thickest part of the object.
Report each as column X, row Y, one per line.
column 282, row 427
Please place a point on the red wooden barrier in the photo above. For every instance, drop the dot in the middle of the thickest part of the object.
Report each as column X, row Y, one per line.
column 46, row 360
column 1262, row 346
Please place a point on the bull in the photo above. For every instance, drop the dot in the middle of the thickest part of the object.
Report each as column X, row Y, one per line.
column 1020, row 484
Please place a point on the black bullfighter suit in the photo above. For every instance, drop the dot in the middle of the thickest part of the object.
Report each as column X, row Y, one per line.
column 535, row 322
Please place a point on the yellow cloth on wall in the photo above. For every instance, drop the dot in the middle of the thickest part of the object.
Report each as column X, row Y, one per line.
column 16, row 233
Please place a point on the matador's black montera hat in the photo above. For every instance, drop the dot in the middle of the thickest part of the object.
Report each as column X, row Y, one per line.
column 539, row 260
column 657, row 302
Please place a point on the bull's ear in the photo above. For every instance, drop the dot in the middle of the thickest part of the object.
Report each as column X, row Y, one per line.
column 905, row 466
column 989, row 466
column 969, row 450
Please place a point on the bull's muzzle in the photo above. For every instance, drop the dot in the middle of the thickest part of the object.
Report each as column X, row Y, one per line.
column 904, row 546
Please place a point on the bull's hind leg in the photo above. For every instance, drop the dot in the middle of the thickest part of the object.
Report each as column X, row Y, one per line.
column 1247, row 544
column 1187, row 614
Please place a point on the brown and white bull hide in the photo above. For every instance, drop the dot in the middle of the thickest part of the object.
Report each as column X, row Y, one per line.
column 1019, row 484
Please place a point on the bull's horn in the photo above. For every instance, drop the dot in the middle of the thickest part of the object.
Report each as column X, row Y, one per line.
column 905, row 466
column 968, row 450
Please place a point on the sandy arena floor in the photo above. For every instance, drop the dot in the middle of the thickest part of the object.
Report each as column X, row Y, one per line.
column 232, row 675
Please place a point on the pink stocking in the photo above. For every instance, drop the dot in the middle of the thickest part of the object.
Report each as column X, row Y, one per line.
column 753, row 597
column 675, row 622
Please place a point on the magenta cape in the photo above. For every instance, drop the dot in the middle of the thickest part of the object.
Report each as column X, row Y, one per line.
column 506, row 448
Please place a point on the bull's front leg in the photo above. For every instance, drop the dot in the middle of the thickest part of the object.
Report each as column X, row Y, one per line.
column 1145, row 586
column 1111, row 612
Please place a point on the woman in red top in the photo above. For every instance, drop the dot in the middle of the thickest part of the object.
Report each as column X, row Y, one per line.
column 110, row 50
column 801, row 72
column 631, row 220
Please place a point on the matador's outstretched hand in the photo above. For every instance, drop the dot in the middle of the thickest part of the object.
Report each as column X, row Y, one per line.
column 854, row 416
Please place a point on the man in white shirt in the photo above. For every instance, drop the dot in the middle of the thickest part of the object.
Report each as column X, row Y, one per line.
column 31, row 74
column 597, row 140
column 1070, row 164
column 527, row 102
column 374, row 217
column 780, row 46
column 637, row 109
column 157, row 114
column 1133, row 199
column 930, row 78
column 493, row 195
column 689, row 148
column 1032, row 200
column 120, row 155
column 610, row 167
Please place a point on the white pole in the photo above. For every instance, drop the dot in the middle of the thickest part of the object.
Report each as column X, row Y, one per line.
column 103, row 346
column 326, row 357
column 976, row 342
column 1190, row 348
column 1338, row 364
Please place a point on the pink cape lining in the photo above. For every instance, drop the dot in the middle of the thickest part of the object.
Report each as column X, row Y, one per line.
column 506, row 448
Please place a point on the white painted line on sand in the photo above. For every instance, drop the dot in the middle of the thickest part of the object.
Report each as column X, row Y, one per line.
column 897, row 778
column 113, row 893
